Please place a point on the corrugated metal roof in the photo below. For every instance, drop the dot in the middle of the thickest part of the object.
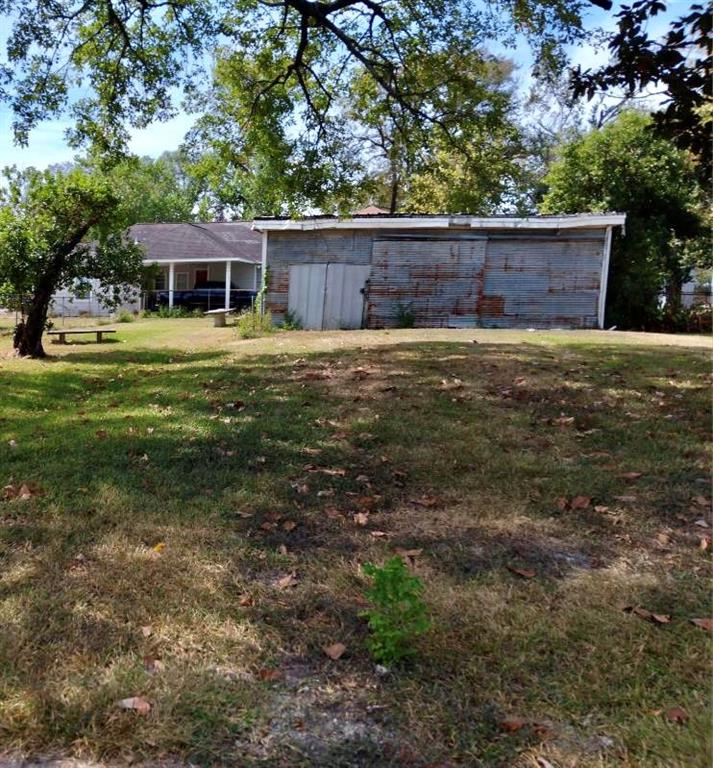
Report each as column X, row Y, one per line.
column 204, row 241
column 443, row 221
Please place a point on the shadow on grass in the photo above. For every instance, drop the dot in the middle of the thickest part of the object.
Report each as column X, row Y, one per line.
column 250, row 470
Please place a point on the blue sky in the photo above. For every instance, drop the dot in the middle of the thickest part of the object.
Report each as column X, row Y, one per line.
column 47, row 144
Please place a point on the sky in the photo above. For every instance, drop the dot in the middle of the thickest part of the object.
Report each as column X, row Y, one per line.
column 47, row 144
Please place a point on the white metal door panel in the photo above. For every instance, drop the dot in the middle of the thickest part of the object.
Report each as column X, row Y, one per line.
column 344, row 300
column 305, row 296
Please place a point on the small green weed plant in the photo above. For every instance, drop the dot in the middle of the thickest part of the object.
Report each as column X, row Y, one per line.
column 398, row 614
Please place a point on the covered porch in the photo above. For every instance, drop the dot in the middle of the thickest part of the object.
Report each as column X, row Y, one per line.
column 175, row 277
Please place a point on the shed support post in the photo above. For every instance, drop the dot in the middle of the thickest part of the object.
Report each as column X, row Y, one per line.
column 227, row 284
column 601, row 309
column 171, row 282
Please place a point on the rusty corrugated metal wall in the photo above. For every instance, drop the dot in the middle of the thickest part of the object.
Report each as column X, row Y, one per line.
column 457, row 277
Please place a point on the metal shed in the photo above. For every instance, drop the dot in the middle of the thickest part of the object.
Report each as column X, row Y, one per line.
column 441, row 271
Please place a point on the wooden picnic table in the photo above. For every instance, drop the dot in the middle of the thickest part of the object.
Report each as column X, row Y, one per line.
column 219, row 316
column 62, row 333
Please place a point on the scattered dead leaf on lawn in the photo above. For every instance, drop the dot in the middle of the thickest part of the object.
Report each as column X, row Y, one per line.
column 334, row 651
column 702, row 501
column 642, row 613
column 526, row 573
column 631, row 475
column 146, row 630
column 159, row 548
column 580, row 502
column 706, row 624
column 153, row 665
column 601, row 508
column 676, row 715
column 22, row 492
column 701, row 523
column 286, row 582
column 269, row 674
column 425, row 501
column 101, row 434
column 136, row 703
column 246, row 601
column 332, row 513
column 379, row 534
column 289, row 525
column 361, row 518
column 408, row 554
column 512, row 723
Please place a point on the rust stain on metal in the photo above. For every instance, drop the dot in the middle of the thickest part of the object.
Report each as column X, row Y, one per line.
column 491, row 305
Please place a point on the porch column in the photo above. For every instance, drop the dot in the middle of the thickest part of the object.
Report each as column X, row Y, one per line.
column 171, row 282
column 227, row 284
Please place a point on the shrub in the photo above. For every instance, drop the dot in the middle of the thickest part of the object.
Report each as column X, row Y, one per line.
column 291, row 321
column 252, row 323
column 124, row 316
column 164, row 311
column 398, row 614
column 405, row 317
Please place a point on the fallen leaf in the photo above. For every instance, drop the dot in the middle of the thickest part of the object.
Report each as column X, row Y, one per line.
column 334, row 651
column 332, row 512
column 285, row 582
column 526, row 573
column 153, row 665
column 245, row 601
column 361, row 518
column 282, row 549
column 580, row 502
column 101, row 434
column 379, row 534
column 289, row 525
column 268, row 526
column 146, row 630
column 512, row 723
column 363, row 479
column 425, row 501
column 137, row 703
column 159, row 548
column 408, row 553
column 269, row 674
column 631, row 475
column 626, row 499
column 642, row 613
column 563, row 421
column 701, row 523
column 676, row 715
column 562, row 503
column 601, row 509
column 702, row 501
column 706, row 624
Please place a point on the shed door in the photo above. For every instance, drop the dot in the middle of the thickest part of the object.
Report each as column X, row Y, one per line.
column 344, row 300
column 327, row 296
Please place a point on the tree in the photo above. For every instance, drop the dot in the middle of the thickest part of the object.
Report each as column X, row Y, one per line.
column 154, row 190
column 627, row 167
column 680, row 65
column 57, row 228
column 464, row 158
column 120, row 63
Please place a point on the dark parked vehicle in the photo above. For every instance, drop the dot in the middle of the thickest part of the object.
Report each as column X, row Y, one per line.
column 206, row 295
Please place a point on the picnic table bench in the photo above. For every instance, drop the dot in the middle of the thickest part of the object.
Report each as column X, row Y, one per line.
column 219, row 316
column 62, row 333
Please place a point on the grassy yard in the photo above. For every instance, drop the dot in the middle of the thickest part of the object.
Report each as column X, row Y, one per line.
column 196, row 511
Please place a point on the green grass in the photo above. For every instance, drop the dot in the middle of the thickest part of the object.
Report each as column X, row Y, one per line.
column 179, row 433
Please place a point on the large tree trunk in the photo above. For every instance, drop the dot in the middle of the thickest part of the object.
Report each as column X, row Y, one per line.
column 28, row 341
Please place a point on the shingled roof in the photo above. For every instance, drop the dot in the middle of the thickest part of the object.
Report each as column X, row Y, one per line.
column 235, row 240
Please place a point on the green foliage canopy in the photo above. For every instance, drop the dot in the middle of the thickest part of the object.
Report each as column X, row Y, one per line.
column 627, row 167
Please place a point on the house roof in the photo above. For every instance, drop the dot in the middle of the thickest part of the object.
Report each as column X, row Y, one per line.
column 443, row 221
column 200, row 241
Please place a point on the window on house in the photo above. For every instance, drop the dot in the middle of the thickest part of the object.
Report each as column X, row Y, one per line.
column 181, row 281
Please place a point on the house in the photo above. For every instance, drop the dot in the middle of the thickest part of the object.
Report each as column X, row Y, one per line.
column 191, row 254
column 383, row 271
column 186, row 254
